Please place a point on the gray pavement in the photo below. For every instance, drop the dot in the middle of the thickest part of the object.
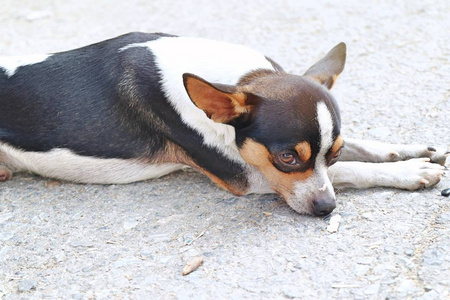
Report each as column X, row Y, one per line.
column 69, row 241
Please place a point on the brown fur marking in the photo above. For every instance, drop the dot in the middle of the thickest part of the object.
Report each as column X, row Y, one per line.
column 218, row 105
column 173, row 153
column 234, row 189
column 304, row 150
column 257, row 155
column 338, row 143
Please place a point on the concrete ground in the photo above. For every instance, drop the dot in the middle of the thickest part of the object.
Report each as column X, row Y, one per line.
column 71, row 241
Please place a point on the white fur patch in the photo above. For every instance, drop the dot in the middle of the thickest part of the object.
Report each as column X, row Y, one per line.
column 317, row 186
column 64, row 164
column 326, row 131
column 258, row 183
column 326, row 142
column 10, row 64
column 214, row 61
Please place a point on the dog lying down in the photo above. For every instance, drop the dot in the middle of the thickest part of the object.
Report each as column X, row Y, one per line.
column 141, row 105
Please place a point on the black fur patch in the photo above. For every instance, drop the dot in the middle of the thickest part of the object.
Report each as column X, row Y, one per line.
column 100, row 102
column 280, row 124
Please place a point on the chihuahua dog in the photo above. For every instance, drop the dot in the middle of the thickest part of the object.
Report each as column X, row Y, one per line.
column 140, row 106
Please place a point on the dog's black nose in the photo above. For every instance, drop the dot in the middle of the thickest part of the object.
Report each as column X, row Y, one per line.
column 323, row 207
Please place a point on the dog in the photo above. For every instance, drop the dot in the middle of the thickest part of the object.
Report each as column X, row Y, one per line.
column 142, row 105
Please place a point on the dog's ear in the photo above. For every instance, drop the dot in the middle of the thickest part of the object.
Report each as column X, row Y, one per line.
column 221, row 103
column 327, row 70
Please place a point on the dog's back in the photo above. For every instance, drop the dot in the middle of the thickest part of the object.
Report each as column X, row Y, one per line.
column 124, row 99
column 66, row 101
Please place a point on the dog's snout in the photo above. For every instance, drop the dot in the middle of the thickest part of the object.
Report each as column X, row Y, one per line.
column 323, row 207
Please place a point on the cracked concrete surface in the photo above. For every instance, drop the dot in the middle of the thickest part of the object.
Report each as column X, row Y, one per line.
column 64, row 241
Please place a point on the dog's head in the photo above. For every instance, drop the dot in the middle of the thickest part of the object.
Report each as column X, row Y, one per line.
column 287, row 126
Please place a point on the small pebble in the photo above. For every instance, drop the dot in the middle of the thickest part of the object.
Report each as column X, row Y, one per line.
column 81, row 244
column 445, row 192
column 443, row 218
column 406, row 286
column 26, row 286
column 192, row 265
column 372, row 289
column 433, row 257
column 77, row 296
column 334, row 223
column 6, row 236
column 293, row 292
column 126, row 262
column 5, row 217
column 130, row 224
column 367, row 216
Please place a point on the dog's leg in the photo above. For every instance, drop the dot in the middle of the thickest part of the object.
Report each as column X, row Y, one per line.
column 5, row 173
column 372, row 151
column 410, row 174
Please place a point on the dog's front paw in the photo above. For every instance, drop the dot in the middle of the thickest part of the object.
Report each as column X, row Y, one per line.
column 372, row 151
column 417, row 173
column 404, row 152
column 438, row 156
column 5, row 173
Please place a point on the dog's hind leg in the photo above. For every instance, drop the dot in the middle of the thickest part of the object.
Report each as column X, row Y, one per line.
column 372, row 151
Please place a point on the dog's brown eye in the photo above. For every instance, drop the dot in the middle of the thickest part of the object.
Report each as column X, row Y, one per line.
column 288, row 161
column 288, row 158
